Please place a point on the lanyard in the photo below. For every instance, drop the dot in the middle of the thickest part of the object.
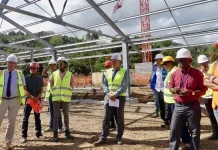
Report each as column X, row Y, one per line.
column 182, row 83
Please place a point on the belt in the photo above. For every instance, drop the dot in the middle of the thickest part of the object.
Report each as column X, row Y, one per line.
column 188, row 103
column 8, row 98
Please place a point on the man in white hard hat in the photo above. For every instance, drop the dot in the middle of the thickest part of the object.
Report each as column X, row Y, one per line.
column 12, row 85
column 115, row 86
column 203, row 61
column 62, row 83
column 157, row 84
column 52, row 64
column 186, row 84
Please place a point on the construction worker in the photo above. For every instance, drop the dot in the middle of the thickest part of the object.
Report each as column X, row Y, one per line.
column 107, row 66
column 48, row 96
column 169, row 64
column 115, row 86
column 157, row 84
column 34, row 89
column 186, row 84
column 211, row 95
column 12, row 84
column 61, row 82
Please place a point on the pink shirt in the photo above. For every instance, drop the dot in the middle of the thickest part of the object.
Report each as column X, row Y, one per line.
column 62, row 74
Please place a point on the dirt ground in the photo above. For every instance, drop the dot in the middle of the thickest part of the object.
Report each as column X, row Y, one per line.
column 142, row 132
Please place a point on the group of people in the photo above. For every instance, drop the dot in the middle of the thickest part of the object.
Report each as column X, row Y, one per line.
column 178, row 91
column 17, row 89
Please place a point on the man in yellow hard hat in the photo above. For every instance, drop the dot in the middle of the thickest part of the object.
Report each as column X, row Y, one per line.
column 169, row 64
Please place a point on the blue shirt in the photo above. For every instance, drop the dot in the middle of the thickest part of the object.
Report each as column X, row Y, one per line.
column 123, row 87
column 34, row 84
column 14, row 83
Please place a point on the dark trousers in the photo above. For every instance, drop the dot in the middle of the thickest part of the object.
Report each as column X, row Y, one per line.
column 51, row 110
column 113, row 118
column 183, row 113
column 160, row 99
column 57, row 106
column 27, row 111
column 107, row 117
column 185, row 136
column 208, row 105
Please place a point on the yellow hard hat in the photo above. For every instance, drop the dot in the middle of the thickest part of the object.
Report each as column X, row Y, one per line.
column 168, row 58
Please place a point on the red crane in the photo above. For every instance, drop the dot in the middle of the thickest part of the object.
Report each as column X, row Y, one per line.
column 145, row 26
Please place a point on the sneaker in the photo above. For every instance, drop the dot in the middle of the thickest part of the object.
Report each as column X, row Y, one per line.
column 8, row 146
column 99, row 142
column 48, row 130
column 24, row 140
column 119, row 142
column 60, row 131
column 155, row 116
column 40, row 136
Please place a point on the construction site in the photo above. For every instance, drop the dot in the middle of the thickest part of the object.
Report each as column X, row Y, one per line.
column 87, row 33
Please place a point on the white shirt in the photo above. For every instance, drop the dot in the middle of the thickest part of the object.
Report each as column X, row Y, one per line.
column 159, row 80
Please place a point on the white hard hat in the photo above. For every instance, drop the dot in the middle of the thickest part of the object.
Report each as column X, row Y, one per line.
column 183, row 53
column 12, row 58
column 52, row 61
column 202, row 59
column 159, row 56
column 116, row 56
column 62, row 59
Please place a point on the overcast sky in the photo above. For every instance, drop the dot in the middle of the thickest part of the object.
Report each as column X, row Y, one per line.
column 130, row 8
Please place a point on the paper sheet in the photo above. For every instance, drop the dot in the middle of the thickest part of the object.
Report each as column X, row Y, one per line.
column 115, row 103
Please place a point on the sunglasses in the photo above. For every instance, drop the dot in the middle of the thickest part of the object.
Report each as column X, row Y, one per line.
column 32, row 68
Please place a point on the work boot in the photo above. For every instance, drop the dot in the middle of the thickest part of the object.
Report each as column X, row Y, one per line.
column 99, row 142
column 68, row 135
column 55, row 137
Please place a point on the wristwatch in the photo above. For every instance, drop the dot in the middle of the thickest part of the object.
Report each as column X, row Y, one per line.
column 193, row 93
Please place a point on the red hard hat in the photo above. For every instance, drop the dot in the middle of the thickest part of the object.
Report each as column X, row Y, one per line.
column 107, row 64
column 34, row 65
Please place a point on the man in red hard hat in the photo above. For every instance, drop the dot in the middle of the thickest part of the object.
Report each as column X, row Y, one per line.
column 108, row 65
column 34, row 89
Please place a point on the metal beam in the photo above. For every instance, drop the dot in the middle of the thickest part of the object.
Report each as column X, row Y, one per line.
column 120, row 20
column 111, row 23
column 60, row 22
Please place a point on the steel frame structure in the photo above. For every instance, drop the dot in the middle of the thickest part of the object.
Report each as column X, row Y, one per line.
column 124, row 40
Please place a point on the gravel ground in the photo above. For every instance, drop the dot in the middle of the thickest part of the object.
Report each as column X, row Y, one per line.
column 142, row 132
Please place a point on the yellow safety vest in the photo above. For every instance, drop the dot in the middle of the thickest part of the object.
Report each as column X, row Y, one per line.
column 62, row 90
column 48, row 92
column 168, row 96
column 117, row 81
column 209, row 93
column 19, row 84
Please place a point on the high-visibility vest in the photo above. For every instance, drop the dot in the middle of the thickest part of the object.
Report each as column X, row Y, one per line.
column 48, row 92
column 209, row 93
column 19, row 85
column 168, row 96
column 117, row 81
column 61, row 90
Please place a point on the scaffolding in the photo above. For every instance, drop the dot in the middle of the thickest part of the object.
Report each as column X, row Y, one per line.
column 184, row 32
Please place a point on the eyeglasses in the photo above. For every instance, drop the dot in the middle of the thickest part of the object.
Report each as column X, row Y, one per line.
column 158, row 59
column 32, row 68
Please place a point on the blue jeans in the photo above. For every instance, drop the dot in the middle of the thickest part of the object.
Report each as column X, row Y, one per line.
column 156, row 103
column 51, row 110
column 215, row 111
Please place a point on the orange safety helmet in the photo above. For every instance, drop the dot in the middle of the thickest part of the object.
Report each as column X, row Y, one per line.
column 34, row 65
column 107, row 64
